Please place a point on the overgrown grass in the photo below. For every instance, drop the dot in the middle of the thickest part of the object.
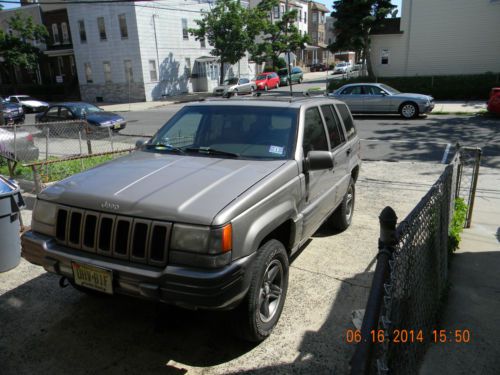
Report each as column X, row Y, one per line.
column 457, row 224
column 58, row 171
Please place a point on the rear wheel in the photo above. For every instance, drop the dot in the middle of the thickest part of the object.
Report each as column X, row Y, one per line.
column 342, row 217
column 261, row 309
column 408, row 110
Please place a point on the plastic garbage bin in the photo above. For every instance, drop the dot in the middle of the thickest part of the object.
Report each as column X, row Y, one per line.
column 10, row 244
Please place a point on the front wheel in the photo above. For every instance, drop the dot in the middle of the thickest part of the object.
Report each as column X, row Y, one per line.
column 342, row 217
column 259, row 312
column 408, row 110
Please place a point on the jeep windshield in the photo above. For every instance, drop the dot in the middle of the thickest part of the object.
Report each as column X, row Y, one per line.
column 247, row 132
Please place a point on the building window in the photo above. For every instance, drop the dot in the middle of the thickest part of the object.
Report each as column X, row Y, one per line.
column 55, row 34
column 88, row 72
column 305, row 17
column 282, row 9
column 315, row 17
column 65, row 34
column 123, row 26
column 129, row 74
column 276, row 12
column 202, row 43
column 384, row 56
column 60, row 65
column 185, row 35
column 102, row 28
column 152, row 71
column 107, row 71
column 187, row 67
column 83, row 34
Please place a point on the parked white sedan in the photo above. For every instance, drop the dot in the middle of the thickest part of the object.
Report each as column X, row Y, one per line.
column 28, row 103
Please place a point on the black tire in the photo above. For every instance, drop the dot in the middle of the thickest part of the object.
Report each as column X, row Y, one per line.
column 255, row 318
column 408, row 110
column 342, row 217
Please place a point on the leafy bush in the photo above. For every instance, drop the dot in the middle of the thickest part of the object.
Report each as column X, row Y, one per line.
column 457, row 224
column 268, row 68
column 457, row 87
column 281, row 63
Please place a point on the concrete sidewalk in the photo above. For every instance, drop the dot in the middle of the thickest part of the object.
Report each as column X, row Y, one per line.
column 474, row 298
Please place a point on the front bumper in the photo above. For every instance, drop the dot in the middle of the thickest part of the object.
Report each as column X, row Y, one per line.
column 426, row 108
column 18, row 118
column 221, row 288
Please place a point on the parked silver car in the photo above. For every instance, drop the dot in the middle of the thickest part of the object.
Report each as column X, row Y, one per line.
column 19, row 146
column 208, row 213
column 235, row 85
column 28, row 103
column 380, row 98
column 342, row 68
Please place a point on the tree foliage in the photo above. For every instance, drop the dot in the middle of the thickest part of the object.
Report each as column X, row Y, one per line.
column 276, row 37
column 16, row 46
column 229, row 28
column 354, row 21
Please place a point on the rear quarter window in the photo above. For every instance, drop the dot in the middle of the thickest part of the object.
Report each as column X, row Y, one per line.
column 347, row 120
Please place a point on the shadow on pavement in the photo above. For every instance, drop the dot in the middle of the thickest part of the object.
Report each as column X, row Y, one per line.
column 46, row 329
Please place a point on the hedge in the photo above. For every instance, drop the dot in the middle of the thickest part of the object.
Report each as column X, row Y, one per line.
column 457, row 87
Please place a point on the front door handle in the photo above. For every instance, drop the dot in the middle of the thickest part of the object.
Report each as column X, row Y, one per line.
column 348, row 151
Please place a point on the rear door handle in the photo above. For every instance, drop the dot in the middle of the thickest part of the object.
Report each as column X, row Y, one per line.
column 349, row 151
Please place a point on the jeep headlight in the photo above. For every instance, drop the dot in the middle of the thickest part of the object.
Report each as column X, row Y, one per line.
column 44, row 217
column 202, row 239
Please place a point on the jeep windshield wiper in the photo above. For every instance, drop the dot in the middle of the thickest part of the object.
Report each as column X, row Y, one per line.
column 165, row 147
column 212, row 151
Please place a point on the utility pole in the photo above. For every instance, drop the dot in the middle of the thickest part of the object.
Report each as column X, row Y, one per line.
column 288, row 54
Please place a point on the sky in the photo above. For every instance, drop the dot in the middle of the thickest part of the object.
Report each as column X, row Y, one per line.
column 328, row 3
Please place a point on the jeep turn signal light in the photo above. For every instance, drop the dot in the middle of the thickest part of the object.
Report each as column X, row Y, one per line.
column 227, row 238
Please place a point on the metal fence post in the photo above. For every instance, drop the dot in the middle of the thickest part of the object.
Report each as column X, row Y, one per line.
column 15, row 141
column 111, row 138
column 472, row 195
column 87, row 132
column 360, row 362
column 80, row 147
column 47, row 138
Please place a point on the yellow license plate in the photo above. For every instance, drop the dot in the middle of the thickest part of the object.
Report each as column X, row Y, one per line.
column 93, row 277
column 117, row 126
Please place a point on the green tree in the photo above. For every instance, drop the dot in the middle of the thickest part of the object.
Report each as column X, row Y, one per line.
column 276, row 37
column 16, row 46
column 354, row 21
column 230, row 29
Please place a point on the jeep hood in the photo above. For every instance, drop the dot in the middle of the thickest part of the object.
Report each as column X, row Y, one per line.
column 169, row 187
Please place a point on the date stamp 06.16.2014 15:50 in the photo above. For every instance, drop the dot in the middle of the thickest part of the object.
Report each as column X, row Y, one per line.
column 409, row 336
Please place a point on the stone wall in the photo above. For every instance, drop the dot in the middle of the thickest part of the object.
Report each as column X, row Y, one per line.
column 113, row 92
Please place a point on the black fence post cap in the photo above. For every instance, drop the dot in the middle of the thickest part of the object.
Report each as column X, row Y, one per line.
column 388, row 217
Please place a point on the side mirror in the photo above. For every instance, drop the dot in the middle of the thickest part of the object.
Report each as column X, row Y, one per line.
column 139, row 143
column 317, row 160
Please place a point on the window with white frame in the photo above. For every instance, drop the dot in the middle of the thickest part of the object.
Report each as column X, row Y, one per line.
column 55, row 34
column 315, row 17
column 83, row 33
column 202, row 43
column 65, row 33
column 305, row 17
column 276, row 12
column 129, row 74
column 282, row 9
column 384, row 56
column 185, row 34
column 153, row 75
column 88, row 72
column 300, row 15
column 106, row 65
column 187, row 66
column 122, row 20
column 102, row 28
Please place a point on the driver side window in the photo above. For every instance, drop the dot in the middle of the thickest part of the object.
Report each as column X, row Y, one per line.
column 183, row 132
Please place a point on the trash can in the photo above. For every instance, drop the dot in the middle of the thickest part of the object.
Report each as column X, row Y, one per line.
column 10, row 243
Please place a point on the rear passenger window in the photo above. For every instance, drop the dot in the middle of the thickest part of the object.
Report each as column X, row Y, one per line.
column 347, row 119
column 314, row 132
column 333, row 125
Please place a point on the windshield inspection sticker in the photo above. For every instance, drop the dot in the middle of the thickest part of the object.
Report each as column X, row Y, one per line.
column 276, row 150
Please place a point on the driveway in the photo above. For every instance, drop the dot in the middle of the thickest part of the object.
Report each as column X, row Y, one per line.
column 45, row 329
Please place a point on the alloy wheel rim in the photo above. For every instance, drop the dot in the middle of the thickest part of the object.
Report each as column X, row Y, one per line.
column 408, row 110
column 271, row 291
column 349, row 204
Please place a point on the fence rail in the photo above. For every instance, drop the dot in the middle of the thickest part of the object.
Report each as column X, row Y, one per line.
column 411, row 274
column 42, row 149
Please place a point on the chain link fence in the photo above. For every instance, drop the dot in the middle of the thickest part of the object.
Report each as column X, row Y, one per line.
column 411, row 276
column 46, row 152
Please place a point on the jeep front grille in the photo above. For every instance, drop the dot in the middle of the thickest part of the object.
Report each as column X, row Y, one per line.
column 134, row 239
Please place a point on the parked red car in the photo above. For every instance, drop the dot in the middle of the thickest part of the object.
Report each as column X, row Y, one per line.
column 494, row 101
column 267, row 81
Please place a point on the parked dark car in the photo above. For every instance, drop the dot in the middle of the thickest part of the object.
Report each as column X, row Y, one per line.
column 24, row 150
column 11, row 113
column 494, row 101
column 78, row 111
column 320, row 67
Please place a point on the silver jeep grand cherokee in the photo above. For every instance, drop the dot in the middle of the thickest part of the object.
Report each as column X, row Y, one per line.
column 208, row 212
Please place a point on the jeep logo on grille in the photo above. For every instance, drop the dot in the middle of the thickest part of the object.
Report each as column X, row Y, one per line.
column 110, row 206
